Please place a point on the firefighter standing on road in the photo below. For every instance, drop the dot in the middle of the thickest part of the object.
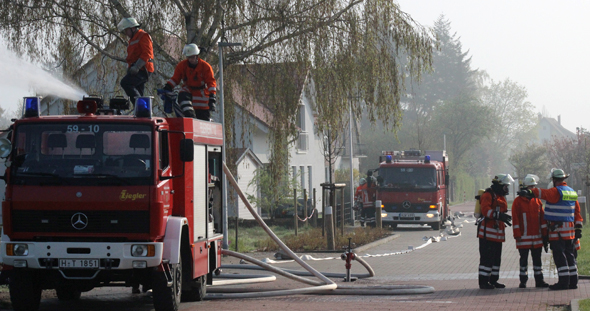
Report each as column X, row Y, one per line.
column 197, row 95
column 530, row 232
column 140, row 55
column 491, row 232
column 564, row 222
column 366, row 194
column 358, row 200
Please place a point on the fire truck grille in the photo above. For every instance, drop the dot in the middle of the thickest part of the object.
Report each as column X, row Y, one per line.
column 81, row 222
column 412, row 208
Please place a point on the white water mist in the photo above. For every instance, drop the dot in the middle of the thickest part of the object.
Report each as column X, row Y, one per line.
column 18, row 73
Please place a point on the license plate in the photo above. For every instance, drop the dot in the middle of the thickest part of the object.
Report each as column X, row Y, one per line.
column 79, row 263
column 406, row 214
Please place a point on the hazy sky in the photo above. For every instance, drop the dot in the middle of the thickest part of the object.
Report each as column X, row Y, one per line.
column 542, row 45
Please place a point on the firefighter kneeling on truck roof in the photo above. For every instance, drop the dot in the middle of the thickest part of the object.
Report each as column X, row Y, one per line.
column 196, row 98
column 530, row 232
column 490, row 230
column 564, row 222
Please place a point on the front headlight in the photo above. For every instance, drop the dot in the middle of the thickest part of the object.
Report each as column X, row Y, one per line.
column 17, row 249
column 142, row 250
column 429, row 215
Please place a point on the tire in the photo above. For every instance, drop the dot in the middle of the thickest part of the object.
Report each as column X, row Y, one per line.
column 66, row 293
column 25, row 291
column 197, row 291
column 436, row 226
column 167, row 298
column 393, row 226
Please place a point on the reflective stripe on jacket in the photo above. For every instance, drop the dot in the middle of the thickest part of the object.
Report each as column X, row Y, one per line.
column 563, row 209
column 366, row 195
column 198, row 81
column 559, row 230
column 140, row 46
column 528, row 223
column 490, row 228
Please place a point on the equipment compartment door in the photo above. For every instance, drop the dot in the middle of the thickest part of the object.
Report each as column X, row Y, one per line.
column 200, row 193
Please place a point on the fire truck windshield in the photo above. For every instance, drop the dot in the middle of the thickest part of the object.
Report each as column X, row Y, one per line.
column 408, row 177
column 92, row 154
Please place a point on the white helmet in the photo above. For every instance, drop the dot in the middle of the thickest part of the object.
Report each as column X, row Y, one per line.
column 362, row 181
column 190, row 50
column 530, row 180
column 127, row 22
column 504, row 179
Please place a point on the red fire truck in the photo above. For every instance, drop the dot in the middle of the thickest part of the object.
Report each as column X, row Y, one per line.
column 103, row 199
column 413, row 187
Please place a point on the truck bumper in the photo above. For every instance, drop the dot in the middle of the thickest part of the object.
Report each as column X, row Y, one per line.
column 411, row 218
column 67, row 255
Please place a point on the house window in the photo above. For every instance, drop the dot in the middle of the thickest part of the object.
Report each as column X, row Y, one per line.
column 294, row 169
column 302, row 141
column 301, row 118
column 302, row 170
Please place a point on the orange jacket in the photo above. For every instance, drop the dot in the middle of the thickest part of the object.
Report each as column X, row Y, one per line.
column 490, row 228
column 565, row 230
column 198, row 81
column 528, row 222
column 140, row 46
column 366, row 195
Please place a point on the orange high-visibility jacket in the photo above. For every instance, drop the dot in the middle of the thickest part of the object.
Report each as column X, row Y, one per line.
column 366, row 195
column 140, row 46
column 198, row 81
column 564, row 230
column 528, row 222
column 490, row 228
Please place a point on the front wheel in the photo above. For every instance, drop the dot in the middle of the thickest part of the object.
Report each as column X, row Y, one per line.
column 435, row 226
column 25, row 292
column 197, row 291
column 167, row 298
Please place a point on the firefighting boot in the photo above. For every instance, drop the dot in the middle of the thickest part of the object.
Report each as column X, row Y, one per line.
column 523, row 277
column 539, row 282
column 498, row 285
column 484, row 283
column 562, row 283
column 573, row 282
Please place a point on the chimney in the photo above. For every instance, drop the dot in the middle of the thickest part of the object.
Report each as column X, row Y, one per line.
column 559, row 119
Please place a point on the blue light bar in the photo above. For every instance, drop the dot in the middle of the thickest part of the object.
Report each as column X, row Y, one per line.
column 427, row 159
column 143, row 107
column 388, row 159
column 32, row 107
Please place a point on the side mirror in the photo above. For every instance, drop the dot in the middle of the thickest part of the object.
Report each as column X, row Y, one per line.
column 187, row 151
column 5, row 147
column 447, row 180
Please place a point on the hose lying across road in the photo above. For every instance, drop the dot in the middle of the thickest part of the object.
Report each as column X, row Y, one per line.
column 324, row 286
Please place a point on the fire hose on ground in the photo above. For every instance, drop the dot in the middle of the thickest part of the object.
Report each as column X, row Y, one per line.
column 323, row 286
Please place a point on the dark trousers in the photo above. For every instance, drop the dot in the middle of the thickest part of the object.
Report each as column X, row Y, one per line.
column 537, row 264
column 490, row 256
column 134, row 84
column 201, row 114
column 565, row 261
column 368, row 216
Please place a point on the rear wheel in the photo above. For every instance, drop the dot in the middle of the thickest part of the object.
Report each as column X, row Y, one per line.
column 25, row 292
column 167, row 298
column 65, row 293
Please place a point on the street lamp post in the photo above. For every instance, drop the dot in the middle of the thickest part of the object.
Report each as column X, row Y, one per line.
column 220, row 46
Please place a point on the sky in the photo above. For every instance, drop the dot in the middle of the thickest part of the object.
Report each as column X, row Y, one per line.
column 541, row 45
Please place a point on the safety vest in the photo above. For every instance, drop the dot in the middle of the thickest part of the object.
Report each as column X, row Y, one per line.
column 563, row 210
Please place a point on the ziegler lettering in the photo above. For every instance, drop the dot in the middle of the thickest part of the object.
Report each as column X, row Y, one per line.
column 125, row 196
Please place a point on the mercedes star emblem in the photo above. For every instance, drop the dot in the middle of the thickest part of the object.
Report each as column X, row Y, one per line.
column 79, row 221
column 406, row 204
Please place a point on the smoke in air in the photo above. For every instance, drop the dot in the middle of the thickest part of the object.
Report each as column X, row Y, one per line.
column 21, row 74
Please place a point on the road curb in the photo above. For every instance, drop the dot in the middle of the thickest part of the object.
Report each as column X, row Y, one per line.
column 575, row 305
column 384, row 240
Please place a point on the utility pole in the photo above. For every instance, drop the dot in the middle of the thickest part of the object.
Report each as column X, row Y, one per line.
column 351, row 154
column 220, row 46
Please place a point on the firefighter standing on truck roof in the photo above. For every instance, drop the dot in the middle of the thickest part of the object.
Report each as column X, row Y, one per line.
column 491, row 232
column 140, row 55
column 197, row 95
column 530, row 232
column 564, row 222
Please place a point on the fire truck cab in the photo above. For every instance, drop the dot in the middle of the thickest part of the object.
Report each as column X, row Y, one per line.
column 413, row 187
column 102, row 199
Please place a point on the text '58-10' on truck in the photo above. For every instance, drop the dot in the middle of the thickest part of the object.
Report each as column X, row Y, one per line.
column 102, row 199
column 413, row 187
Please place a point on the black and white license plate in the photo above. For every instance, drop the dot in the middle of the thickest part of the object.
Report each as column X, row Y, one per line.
column 79, row 263
column 408, row 215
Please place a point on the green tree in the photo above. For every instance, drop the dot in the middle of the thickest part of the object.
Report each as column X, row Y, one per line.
column 530, row 159
column 271, row 194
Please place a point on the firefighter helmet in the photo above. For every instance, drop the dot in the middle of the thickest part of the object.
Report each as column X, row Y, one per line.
column 190, row 50
column 362, row 181
column 559, row 173
column 127, row 22
column 530, row 180
column 503, row 179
